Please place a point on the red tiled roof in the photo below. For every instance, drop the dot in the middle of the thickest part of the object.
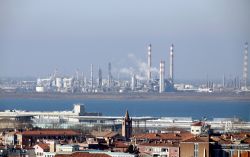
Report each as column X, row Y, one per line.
column 108, row 134
column 197, row 139
column 224, row 142
column 215, row 138
column 241, row 135
column 2, row 147
column 247, row 140
column 44, row 146
column 120, row 144
column 159, row 144
column 82, row 154
column 164, row 136
column 50, row 132
column 220, row 140
column 197, row 124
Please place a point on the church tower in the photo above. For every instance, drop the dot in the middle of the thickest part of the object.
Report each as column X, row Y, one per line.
column 127, row 126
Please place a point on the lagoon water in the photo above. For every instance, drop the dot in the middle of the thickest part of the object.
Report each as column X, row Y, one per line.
column 158, row 108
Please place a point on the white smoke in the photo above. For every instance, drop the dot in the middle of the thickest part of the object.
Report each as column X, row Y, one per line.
column 140, row 69
column 154, row 70
column 128, row 71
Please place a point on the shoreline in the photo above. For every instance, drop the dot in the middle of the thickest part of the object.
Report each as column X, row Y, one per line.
column 182, row 96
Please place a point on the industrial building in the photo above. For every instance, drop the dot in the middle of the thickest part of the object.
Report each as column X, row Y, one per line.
column 152, row 79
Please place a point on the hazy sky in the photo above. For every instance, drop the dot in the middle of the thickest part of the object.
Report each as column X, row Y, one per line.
column 37, row 37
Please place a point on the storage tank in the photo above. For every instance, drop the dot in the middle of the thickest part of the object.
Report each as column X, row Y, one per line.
column 40, row 89
column 58, row 82
column 67, row 82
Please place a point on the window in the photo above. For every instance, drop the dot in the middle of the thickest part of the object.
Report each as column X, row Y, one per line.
column 197, row 131
column 163, row 150
column 196, row 149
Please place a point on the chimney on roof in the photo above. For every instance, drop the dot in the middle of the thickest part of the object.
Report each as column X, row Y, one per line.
column 157, row 135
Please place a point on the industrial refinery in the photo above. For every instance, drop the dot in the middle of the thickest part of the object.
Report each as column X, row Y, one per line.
column 140, row 82
column 82, row 84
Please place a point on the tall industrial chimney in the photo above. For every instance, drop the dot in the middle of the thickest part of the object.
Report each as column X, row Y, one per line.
column 245, row 66
column 171, row 66
column 162, row 74
column 133, row 82
column 149, row 63
column 91, row 77
column 109, row 75
column 99, row 77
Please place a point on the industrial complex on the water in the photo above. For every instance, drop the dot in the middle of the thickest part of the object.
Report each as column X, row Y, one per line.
column 142, row 81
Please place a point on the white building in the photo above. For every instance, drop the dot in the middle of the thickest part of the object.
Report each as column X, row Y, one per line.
column 196, row 128
column 40, row 149
column 67, row 148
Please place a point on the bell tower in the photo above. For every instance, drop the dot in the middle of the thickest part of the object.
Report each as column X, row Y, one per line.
column 127, row 126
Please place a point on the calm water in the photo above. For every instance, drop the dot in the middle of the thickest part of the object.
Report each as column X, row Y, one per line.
column 195, row 109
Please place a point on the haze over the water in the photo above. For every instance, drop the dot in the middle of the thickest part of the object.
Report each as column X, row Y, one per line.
column 37, row 37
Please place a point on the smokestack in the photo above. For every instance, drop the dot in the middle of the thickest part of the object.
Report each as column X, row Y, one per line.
column 149, row 62
column 133, row 82
column 99, row 77
column 162, row 74
column 245, row 66
column 109, row 75
column 91, row 77
column 77, row 74
column 171, row 66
